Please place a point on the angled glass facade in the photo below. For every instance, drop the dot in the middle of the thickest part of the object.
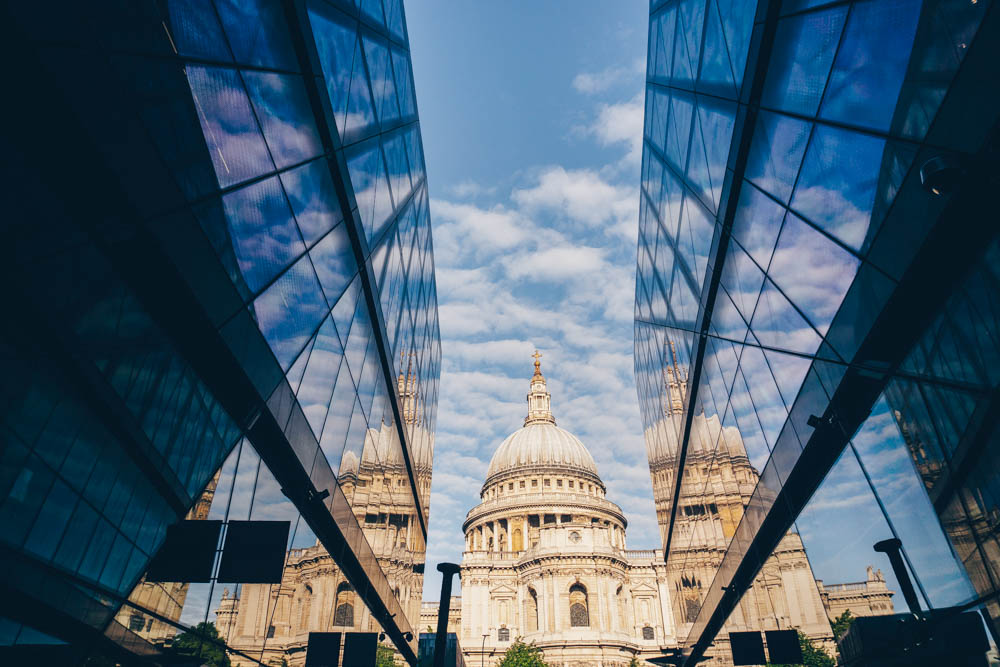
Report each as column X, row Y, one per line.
column 817, row 298
column 221, row 309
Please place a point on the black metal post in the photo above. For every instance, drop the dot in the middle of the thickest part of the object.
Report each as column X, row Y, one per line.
column 447, row 570
column 891, row 549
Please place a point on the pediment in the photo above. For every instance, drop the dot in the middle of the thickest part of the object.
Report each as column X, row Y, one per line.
column 643, row 587
column 503, row 589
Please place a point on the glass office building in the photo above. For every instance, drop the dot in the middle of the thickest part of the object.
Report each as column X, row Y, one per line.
column 220, row 341
column 818, row 294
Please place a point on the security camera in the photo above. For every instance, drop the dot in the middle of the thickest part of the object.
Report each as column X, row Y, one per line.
column 940, row 174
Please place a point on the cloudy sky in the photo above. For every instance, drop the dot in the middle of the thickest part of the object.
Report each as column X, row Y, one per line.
column 531, row 115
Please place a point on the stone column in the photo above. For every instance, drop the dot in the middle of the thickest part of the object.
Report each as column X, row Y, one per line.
column 601, row 603
column 556, row 602
column 613, row 598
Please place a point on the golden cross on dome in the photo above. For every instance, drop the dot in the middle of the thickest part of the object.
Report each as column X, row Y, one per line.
column 537, row 355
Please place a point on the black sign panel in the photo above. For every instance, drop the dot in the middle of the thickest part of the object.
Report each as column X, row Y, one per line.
column 187, row 554
column 323, row 649
column 254, row 552
column 360, row 649
column 748, row 648
column 783, row 647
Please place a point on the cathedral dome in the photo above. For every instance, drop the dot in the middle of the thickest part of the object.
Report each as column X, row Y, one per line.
column 544, row 445
column 540, row 444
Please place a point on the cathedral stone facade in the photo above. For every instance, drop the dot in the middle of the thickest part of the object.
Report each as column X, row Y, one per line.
column 546, row 559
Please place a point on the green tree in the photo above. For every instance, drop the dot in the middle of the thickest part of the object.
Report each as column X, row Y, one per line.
column 385, row 656
column 841, row 624
column 198, row 643
column 812, row 656
column 634, row 662
column 520, row 654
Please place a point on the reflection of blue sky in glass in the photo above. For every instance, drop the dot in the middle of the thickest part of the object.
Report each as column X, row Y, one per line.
column 889, row 465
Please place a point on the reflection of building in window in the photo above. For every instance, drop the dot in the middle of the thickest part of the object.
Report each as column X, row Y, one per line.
column 270, row 631
column 503, row 635
column 344, row 614
column 578, row 616
column 136, row 622
column 648, row 633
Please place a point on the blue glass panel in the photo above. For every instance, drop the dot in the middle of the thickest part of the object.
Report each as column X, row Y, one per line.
column 804, row 47
column 399, row 172
column 258, row 33
column 195, row 31
column 764, row 392
column 394, row 19
column 717, row 120
column 886, row 459
column 373, row 10
column 404, row 87
column 263, row 231
column 779, row 142
column 289, row 311
column 51, row 521
column 656, row 129
column 360, row 115
column 737, row 24
column 695, row 239
column 716, row 70
column 777, row 324
column 664, row 54
column 871, row 62
column 320, row 376
column 371, row 186
column 333, row 258
column 234, row 140
column 313, row 198
column 836, row 188
column 383, row 86
column 687, row 42
column 697, row 167
column 814, row 272
column 335, row 39
column 742, row 279
column 415, row 153
column 343, row 310
column 679, row 129
column 757, row 223
column 285, row 116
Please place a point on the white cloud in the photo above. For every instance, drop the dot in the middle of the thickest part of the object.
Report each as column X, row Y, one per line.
column 621, row 124
column 590, row 83
column 583, row 196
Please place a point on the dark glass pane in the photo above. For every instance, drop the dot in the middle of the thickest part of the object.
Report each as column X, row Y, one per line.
column 284, row 113
column 836, row 189
column 804, row 47
column 234, row 140
column 871, row 62
column 779, row 143
column 313, row 198
column 258, row 33
column 289, row 311
column 263, row 232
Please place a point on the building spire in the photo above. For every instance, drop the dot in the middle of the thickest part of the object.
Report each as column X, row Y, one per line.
column 539, row 399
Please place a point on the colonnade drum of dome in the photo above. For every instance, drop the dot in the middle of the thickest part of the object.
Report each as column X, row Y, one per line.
column 817, row 304
column 221, row 339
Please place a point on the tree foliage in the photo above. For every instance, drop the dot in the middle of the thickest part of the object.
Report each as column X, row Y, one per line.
column 198, row 643
column 385, row 656
column 520, row 654
column 812, row 656
column 841, row 624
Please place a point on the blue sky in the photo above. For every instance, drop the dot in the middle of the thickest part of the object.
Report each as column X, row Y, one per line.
column 531, row 115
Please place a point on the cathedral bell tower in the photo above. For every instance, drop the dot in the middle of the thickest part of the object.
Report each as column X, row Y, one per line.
column 539, row 399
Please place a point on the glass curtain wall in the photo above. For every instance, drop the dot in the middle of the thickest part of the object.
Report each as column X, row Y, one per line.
column 247, row 332
column 782, row 218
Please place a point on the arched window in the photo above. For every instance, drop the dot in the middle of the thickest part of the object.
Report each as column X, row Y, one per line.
column 344, row 610
column 647, row 633
column 532, row 610
column 579, row 617
column 503, row 635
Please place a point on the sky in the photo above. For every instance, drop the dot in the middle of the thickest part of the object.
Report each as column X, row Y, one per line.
column 531, row 117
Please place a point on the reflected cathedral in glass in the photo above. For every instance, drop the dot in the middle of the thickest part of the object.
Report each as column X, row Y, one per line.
column 221, row 345
column 818, row 294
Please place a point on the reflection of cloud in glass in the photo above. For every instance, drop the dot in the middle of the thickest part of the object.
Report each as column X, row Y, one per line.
column 234, row 140
column 284, row 113
column 289, row 311
column 264, row 234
